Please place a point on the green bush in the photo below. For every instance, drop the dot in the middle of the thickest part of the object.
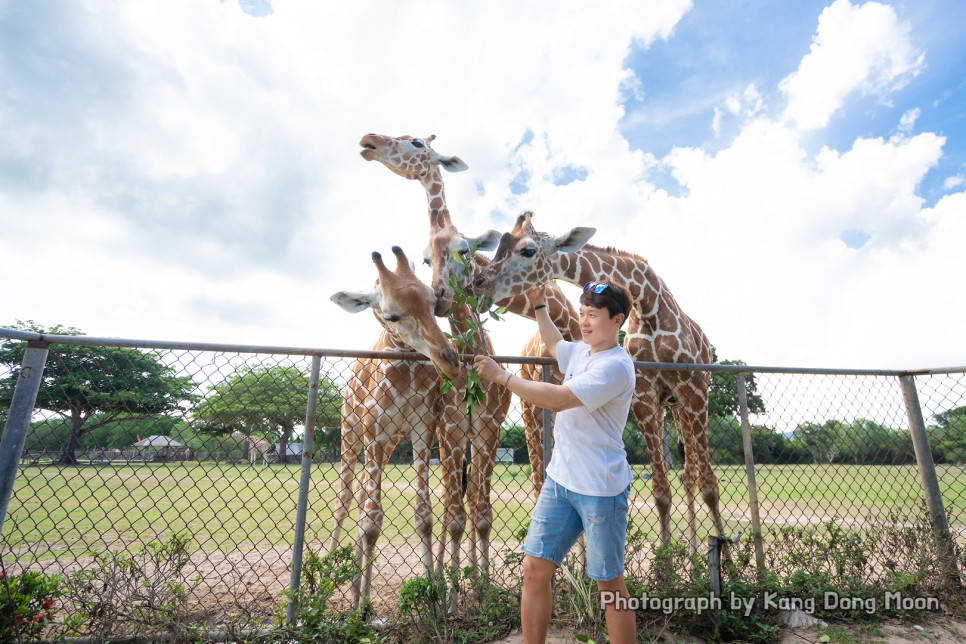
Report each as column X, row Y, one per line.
column 29, row 600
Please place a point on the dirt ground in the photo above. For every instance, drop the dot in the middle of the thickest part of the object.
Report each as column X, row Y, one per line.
column 937, row 631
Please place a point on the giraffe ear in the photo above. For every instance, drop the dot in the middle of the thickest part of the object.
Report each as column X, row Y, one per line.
column 487, row 241
column 574, row 240
column 354, row 302
column 452, row 164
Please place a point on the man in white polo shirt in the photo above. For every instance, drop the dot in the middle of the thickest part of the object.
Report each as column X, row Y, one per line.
column 588, row 478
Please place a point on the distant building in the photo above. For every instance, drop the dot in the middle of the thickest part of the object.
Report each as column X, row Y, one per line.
column 294, row 451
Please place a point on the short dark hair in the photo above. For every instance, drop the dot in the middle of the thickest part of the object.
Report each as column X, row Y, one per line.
column 604, row 295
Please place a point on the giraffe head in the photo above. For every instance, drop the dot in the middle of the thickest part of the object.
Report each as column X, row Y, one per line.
column 414, row 159
column 409, row 157
column 451, row 255
column 404, row 306
column 526, row 259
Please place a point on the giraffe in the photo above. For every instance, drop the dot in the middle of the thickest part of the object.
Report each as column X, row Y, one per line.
column 414, row 159
column 254, row 448
column 386, row 399
column 412, row 386
column 658, row 330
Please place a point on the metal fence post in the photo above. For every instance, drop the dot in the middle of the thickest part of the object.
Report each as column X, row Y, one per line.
column 927, row 473
column 750, row 473
column 18, row 420
column 304, row 481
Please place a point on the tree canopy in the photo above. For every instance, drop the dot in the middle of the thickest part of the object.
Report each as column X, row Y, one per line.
column 723, row 392
column 92, row 386
column 270, row 400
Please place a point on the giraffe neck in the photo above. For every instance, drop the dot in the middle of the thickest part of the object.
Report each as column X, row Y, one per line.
column 389, row 341
column 591, row 264
column 432, row 183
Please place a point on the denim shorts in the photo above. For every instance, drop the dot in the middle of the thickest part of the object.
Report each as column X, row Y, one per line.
column 561, row 515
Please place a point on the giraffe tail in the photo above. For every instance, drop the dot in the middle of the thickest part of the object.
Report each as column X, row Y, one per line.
column 681, row 452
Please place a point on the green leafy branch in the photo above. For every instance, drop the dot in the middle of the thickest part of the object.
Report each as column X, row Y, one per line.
column 471, row 339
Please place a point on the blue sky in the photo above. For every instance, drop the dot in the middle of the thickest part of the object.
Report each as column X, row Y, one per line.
column 189, row 170
column 717, row 43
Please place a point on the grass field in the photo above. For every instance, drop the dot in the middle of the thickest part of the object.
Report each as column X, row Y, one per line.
column 226, row 507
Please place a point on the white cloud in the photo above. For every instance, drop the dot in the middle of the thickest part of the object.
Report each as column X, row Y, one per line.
column 857, row 47
column 194, row 172
column 908, row 120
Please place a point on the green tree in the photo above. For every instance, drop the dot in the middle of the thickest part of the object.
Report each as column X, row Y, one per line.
column 268, row 400
column 823, row 440
column 723, row 392
column 515, row 437
column 724, row 440
column 93, row 386
column 871, row 443
column 948, row 435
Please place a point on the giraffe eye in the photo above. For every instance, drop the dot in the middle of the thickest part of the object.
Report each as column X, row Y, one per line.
column 427, row 262
column 392, row 318
column 528, row 252
column 417, row 143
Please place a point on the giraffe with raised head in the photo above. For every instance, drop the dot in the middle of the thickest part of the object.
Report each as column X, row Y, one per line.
column 414, row 159
column 658, row 330
column 387, row 399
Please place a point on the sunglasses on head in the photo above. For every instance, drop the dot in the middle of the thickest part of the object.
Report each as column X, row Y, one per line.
column 596, row 287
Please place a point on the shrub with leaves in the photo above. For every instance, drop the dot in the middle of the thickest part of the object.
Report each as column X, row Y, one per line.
column 128, row 592
column 314, row 620
column 28, row 603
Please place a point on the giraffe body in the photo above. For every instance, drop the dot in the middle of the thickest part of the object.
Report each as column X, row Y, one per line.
column 658, row 330
column 386, row 399
column 255, row 448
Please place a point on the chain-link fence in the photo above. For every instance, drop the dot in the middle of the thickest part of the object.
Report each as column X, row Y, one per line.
column 141, row 464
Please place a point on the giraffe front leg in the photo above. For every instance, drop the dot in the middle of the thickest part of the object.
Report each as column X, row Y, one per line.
column 351, row 445
column 533, row 428
column 484, row 460
column 451, row 457
column 423, row 509
column 370, row 524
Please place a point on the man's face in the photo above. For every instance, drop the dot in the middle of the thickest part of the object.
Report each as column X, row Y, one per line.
column 597, row 327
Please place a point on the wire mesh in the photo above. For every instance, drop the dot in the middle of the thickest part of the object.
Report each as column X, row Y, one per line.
column 201, row 449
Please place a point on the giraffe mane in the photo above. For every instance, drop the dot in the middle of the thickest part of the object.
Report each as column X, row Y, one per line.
column 610, row 250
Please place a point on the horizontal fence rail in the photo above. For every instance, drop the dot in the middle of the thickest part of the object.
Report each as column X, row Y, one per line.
column 216, row 469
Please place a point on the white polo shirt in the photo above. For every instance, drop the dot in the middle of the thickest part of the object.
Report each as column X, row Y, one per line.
column 588, row 453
